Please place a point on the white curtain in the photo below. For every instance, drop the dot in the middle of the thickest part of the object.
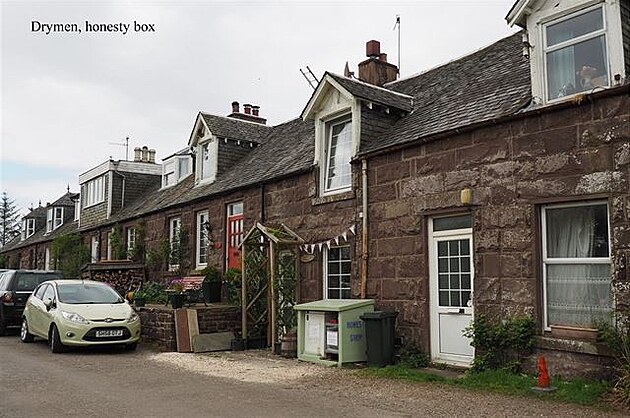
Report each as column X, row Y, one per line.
column 561, row 72
column 577, row 294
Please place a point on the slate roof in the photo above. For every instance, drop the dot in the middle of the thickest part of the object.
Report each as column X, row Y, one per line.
column 287, row 149
column 375, row 94
column 38, row 212
column 233, row 128
column 66, row 200
column 40, row 235
column 488, row 84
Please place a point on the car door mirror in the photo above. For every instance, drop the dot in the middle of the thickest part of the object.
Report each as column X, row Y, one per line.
column 49, row 303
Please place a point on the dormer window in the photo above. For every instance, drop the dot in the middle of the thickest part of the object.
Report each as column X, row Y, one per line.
column 576, row 53
column 208, row 160
column 338, row 151
column 95, row 191
column 54, row 218
column 175, row 169
column 28, row 228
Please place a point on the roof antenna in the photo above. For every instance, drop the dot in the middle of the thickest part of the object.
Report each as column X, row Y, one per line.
column 124, row 144
column 310, row 77
column 394, row 28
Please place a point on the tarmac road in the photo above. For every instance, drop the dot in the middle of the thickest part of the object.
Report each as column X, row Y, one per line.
column 114, row 383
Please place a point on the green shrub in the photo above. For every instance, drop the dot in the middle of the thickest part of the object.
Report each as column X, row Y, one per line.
column 233, row 282
column 153, row 292
column 501, row 345
column 414, row 356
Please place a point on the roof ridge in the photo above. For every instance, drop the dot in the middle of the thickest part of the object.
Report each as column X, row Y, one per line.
column 451, row 61
column 235, row 119
column 406, row 96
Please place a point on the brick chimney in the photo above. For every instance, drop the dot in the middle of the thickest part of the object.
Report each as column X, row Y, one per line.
column 250, row 113
column 376, row 70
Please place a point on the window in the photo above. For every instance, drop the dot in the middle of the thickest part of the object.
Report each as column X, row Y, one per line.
column 577, row 264
column 54, row 218
column 337, row 171
column 184, row 167
column 131, row 241
column 337, row 273
column 95, row 191
column 203, row 227
column 95, row 250
column 173, row 236
column 47, row 264
column 28, row 228
column 234, row 234
column 207, row 156
column 175, row 170
column 77, row 208
column 575, row 53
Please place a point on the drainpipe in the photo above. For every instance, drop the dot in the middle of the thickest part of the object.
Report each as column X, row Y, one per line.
column 364, row 233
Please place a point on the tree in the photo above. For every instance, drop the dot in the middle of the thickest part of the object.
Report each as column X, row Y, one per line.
column 10, row 225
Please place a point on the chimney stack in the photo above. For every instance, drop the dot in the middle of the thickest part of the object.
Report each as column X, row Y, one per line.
column 250, row 113
column 376, row 70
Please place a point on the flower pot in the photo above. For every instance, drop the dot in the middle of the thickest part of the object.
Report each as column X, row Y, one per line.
column 177, row 300
column 139, row 301
column 211, row 291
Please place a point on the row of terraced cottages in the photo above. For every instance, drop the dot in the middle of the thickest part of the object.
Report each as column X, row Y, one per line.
column 496, row 184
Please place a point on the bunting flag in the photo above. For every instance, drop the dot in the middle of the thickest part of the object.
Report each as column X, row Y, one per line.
column 310, row 248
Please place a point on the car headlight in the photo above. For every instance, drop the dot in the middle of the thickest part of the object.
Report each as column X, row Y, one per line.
column 74, row 317
column 133, row 317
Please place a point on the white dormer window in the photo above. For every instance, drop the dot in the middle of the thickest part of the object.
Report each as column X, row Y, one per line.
column 28, row 228
column 208, row 160
column 338, row 152
column 54, row 218
column 95, row 191
column 575, row 49
column 77, row 208
column 175, row 170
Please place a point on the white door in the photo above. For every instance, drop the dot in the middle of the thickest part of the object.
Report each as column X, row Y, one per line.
column 451, row 280
column 314, row 338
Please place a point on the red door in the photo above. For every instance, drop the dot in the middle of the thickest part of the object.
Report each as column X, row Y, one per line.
column 234, row 238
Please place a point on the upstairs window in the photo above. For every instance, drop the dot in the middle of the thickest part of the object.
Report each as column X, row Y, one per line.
column 77, row 208
column 577, row 264
column 337, row 171
column 95, row 191
column 54, row 218
column 28, row 228
column 207, row 160
column 575, row 53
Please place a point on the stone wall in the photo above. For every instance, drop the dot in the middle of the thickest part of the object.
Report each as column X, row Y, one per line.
column 158, row 323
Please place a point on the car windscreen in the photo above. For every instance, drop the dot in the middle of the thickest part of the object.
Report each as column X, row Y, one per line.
column 26, row 282
column 82, row 293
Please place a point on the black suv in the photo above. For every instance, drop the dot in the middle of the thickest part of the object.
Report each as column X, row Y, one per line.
column 15, row 287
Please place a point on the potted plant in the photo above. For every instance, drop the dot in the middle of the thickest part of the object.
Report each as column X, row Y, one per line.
column 176, row 293
column 211, row 286
column 139, row 298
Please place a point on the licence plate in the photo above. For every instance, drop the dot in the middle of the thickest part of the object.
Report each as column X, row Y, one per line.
column 104, row 333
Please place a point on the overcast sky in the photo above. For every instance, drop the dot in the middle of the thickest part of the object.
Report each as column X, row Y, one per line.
column 67, row 96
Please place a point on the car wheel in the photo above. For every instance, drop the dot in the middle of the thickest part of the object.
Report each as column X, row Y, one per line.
column 55, row 341
column 25, row 336
column 131, row 347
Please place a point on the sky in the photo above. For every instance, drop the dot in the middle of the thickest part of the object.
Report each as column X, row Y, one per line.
column 69, row 99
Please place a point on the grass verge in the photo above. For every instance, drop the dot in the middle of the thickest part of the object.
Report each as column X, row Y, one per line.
column 578, row 391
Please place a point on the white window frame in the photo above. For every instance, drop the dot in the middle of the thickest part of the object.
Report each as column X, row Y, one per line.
column 206, row 173
column 326, row 274
column 47, row 260
column 95, row 191
column 77, row 208
column 131, row 240
column 54, row 218
column 174, row 227
column 328, row 127
column 550, row 261
column 94, row 249
column 546, row 50
column 28, row 228
column 201, row 247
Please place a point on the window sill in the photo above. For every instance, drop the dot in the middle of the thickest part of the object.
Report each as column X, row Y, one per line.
column 322, row 200
column 548, row 342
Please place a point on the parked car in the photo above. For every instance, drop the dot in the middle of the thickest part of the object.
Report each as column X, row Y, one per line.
column 15, row 288
column 79, row 313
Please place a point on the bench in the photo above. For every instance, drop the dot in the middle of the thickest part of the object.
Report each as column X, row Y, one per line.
column 192, row 287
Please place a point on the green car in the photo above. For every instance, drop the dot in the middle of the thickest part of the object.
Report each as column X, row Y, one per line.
column 76, row 313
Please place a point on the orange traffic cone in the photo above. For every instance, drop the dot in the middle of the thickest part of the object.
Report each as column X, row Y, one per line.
column 543, row 377
column 543, row 374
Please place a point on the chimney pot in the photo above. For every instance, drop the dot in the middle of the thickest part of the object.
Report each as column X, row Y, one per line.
column 152, row 156
column 235, row 107
column 248, row 109
column 373, row 48
column 382, row 56
column 255, row 110
column 137, row 154
column 145, row 154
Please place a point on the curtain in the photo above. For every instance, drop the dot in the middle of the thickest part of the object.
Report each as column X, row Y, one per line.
column 561, row 73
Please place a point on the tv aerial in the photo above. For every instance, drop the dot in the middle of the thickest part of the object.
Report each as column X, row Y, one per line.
column 123, row 144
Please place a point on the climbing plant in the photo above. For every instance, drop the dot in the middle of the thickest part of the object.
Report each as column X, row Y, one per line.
column 115, row 241
column 286, row 290
column 69, row 254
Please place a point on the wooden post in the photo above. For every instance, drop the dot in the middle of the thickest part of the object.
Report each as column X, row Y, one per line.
column 243, row 295
column 272, row 258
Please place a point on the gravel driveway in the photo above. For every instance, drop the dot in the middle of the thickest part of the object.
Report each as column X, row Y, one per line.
column 401, row 398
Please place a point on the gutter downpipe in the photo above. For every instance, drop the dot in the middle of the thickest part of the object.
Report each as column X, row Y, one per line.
column 364, row 232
